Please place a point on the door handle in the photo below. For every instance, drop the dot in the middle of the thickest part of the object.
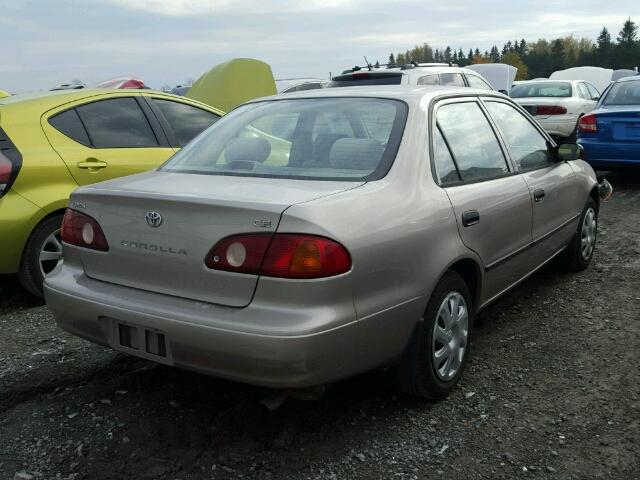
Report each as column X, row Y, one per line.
column 538, row 195
column 470, row 218
column 92, row 164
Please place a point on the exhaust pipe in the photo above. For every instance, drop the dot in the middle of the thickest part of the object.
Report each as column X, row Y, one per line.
column 279, row 397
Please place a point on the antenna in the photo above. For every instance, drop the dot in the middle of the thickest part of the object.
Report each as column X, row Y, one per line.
column 368, row 64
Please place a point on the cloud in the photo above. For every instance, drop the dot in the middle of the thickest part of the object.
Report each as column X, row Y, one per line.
column 200, row 7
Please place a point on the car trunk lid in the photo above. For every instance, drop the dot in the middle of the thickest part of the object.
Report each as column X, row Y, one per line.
column 619, row 123
column 160, row 227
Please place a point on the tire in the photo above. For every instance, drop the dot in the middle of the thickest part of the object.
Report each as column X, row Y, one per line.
column 420, row 373
column 577, row 258
column 32, row 272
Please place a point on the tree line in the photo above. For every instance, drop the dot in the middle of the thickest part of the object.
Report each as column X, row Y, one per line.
column 543, row 57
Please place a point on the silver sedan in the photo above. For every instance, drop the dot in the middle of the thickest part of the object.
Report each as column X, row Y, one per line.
column 308, row 237
column 556, row 104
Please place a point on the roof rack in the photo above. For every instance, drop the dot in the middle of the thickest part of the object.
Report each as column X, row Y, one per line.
column 405, row 66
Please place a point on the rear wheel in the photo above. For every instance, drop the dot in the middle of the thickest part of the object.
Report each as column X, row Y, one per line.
column 41, row 254
column 435, row 360
column 582, row 246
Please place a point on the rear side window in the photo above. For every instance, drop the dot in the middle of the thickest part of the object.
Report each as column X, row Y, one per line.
column 445, row 166
column 452, row 79
column 429, row 80
column 365, row 78
column 477, row 82
column 584, row 93
column 185, row 120
column 528, row 146
column 70, row 125
column 117, row 123
column 472, row 141
column 593, row 91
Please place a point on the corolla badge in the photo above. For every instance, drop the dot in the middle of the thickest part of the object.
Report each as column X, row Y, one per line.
column 154, row 219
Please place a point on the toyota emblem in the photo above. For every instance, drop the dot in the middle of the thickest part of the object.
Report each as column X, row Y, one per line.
column 154, row 219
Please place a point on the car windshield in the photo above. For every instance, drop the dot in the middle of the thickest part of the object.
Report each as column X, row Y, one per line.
column 541, row 89
column 320, row 139
column 623, row 93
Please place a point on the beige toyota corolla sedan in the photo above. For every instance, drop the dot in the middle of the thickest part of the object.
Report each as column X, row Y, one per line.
column 309, row 237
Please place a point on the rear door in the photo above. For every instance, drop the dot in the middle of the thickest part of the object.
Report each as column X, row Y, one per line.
column 586, row 101
column 108, row 137
column 491, row 202
column 555, row 193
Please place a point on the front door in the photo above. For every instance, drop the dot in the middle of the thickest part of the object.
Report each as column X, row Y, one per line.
column 492, row 204
column 556, row 198
column 106, row 138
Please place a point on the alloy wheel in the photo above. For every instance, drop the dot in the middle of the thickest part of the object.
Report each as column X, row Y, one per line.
column 588, row 233
column 50, row 253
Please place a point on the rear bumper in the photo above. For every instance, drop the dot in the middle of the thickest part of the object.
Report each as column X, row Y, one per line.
column 198, row 336
column 558, row 126
column 610, row 154
column 18, row 217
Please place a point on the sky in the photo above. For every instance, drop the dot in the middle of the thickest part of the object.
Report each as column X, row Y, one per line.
column 44, row 43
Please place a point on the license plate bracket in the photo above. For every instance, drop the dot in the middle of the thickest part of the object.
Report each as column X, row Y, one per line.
column 142, row 341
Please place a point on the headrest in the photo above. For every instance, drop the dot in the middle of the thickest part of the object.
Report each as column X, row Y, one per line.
column 247, row 149
column 356, row 154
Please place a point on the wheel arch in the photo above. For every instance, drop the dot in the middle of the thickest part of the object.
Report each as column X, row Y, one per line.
column 470, row 271
column 46, row 217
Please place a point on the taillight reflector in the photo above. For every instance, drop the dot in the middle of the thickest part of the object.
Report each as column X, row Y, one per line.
column 83, row 231
column 549, row 110
column 280, row 255
column 588, row 124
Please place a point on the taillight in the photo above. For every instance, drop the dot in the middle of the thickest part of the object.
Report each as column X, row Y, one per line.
column 10, row 163
column 83, row 231
column 588, row 124
column 281, row 255
column 549, row 110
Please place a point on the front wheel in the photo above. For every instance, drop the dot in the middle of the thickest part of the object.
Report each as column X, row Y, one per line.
column 434, row 361
column 41, row 254
column 583, row 243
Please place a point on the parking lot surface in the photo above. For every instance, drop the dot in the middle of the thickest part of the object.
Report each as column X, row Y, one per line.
column 552, row 391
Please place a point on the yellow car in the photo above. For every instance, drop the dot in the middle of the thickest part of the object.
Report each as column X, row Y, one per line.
column 53, row 142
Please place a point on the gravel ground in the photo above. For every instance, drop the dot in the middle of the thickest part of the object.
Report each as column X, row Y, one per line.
column 552, row 391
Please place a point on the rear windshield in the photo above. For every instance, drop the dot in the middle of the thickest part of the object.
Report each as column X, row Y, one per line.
column 623, row 93
column 318, row 139
column 366, row 78
column 542, row 89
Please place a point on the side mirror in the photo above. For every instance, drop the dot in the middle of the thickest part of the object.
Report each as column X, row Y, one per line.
column 595, row 99
column 566, row 152
column 504, row 92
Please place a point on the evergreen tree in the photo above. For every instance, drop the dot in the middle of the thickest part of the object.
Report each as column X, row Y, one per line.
column 494, row 54
column 523, row 47
column 392, row 59
column 628, row 34
column 470, row 57
column 447, row 54
column 604, row 39
column 462, row 61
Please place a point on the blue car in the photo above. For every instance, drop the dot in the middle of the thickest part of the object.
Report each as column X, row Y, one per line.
column 610, row 134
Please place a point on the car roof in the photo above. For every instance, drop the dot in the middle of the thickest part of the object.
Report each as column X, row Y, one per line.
column 633, row 78
column 550, row 80
column 410, row 94
column 51, row 99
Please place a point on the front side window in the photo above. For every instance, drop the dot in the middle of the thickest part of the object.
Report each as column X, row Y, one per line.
column 472, row 141
column 433, row 79
column 452, row 79
column 185, row 120
column 477, row 82
column 322, row 138
column 593, row 91
column 525, row 142
column 117, row 123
